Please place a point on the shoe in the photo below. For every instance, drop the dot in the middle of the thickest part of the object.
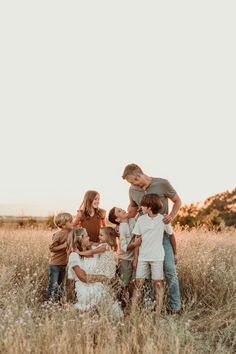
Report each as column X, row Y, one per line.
column 174, row 312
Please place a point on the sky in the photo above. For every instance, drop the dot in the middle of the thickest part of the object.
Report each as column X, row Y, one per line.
column 89, row 86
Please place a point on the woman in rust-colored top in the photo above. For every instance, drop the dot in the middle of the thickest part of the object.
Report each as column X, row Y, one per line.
column 90, row 216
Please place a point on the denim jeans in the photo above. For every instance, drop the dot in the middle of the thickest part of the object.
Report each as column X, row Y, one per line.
column 171, row 275
column 56, row 281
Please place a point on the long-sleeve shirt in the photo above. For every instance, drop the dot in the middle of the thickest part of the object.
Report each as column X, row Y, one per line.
column 58, row 248
column 125, row 231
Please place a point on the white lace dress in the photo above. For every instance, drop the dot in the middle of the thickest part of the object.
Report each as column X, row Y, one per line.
column 106, row 262
column 91, row 294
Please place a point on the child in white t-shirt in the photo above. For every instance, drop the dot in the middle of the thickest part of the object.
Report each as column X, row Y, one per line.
column 127, row 246
column 151, row 227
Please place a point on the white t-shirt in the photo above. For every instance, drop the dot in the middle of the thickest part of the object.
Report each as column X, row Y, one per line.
column 151, row 230
column 125, row 231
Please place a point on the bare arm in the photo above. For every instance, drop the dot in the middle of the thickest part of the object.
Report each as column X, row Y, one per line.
column 103, row 219
column 135, row 260
column 90, row 253
column 135, row 244
column 176, row 206
column 77, row 219
column 87, row 278
column 132, row 211
column 125, row 243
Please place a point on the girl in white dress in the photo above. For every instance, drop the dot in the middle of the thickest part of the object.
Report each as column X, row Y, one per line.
column 90, row 287
column 104, row 252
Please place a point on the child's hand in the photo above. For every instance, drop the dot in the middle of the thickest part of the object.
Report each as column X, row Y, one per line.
column 81, row 253
column 167, row 219
column 137, row 241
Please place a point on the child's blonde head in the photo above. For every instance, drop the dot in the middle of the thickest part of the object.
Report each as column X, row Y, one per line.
column 110, row 236
column 62, row 218
column 75, row 239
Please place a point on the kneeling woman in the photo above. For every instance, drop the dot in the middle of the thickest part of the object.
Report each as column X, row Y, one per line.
column 91, row 289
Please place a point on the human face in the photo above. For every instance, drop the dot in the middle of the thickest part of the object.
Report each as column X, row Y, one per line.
column 102, row 236
column 68, row 225
column 137, row 180
column 145, row 209
column 85, row 240
column 120, row 214
column 96, row 201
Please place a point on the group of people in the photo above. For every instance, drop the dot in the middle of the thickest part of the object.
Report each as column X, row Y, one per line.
column 140, row 247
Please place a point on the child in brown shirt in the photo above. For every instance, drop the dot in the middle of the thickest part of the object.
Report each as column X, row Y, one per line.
column 58, row 259
column 90, row 216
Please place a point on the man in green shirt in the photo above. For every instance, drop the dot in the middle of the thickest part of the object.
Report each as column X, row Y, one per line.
column 142, row 184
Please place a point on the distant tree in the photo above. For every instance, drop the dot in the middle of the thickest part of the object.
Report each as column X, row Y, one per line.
column 217, row 211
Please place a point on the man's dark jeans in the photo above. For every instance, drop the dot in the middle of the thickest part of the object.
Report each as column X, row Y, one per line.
column 56, row 281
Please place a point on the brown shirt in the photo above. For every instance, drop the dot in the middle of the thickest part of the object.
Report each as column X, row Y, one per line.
column 58, row 248
column 93, row 224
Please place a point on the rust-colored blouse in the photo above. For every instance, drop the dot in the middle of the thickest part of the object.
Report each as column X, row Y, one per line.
column 93, row 224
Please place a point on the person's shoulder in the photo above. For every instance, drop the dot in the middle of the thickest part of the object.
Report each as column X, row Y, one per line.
column 159, row 218
column 142, row 218
column 74, row 256
column 102, row 213
column 159, row 180
column 58, row 234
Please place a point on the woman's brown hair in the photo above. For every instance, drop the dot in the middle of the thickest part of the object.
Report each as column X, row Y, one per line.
column 86, row 205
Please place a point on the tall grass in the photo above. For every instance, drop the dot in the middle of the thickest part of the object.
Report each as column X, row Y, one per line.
column 207, row 274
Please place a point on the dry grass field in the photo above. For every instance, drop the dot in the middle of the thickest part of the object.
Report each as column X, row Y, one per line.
column 207, row 272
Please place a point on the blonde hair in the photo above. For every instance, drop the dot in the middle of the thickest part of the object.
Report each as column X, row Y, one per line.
column 111, row 235
column 132, row 170
column 74, row 241
column 62, row 218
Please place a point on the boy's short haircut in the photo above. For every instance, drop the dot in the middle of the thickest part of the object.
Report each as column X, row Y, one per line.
column 62, row 218
column 153, row 202
column 131, row 170
column 112, row 216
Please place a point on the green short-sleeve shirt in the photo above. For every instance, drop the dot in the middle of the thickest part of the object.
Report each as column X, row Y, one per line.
column 159, row 186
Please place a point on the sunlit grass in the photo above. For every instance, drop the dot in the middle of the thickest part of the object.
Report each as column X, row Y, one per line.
column 207, row 274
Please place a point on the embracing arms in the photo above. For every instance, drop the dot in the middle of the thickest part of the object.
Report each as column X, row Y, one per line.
column 87, row 278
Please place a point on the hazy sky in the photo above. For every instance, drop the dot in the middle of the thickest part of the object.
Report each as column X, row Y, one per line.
column 89, row 86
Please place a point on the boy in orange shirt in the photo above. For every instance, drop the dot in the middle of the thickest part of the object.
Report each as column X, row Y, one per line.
column 58, row 260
